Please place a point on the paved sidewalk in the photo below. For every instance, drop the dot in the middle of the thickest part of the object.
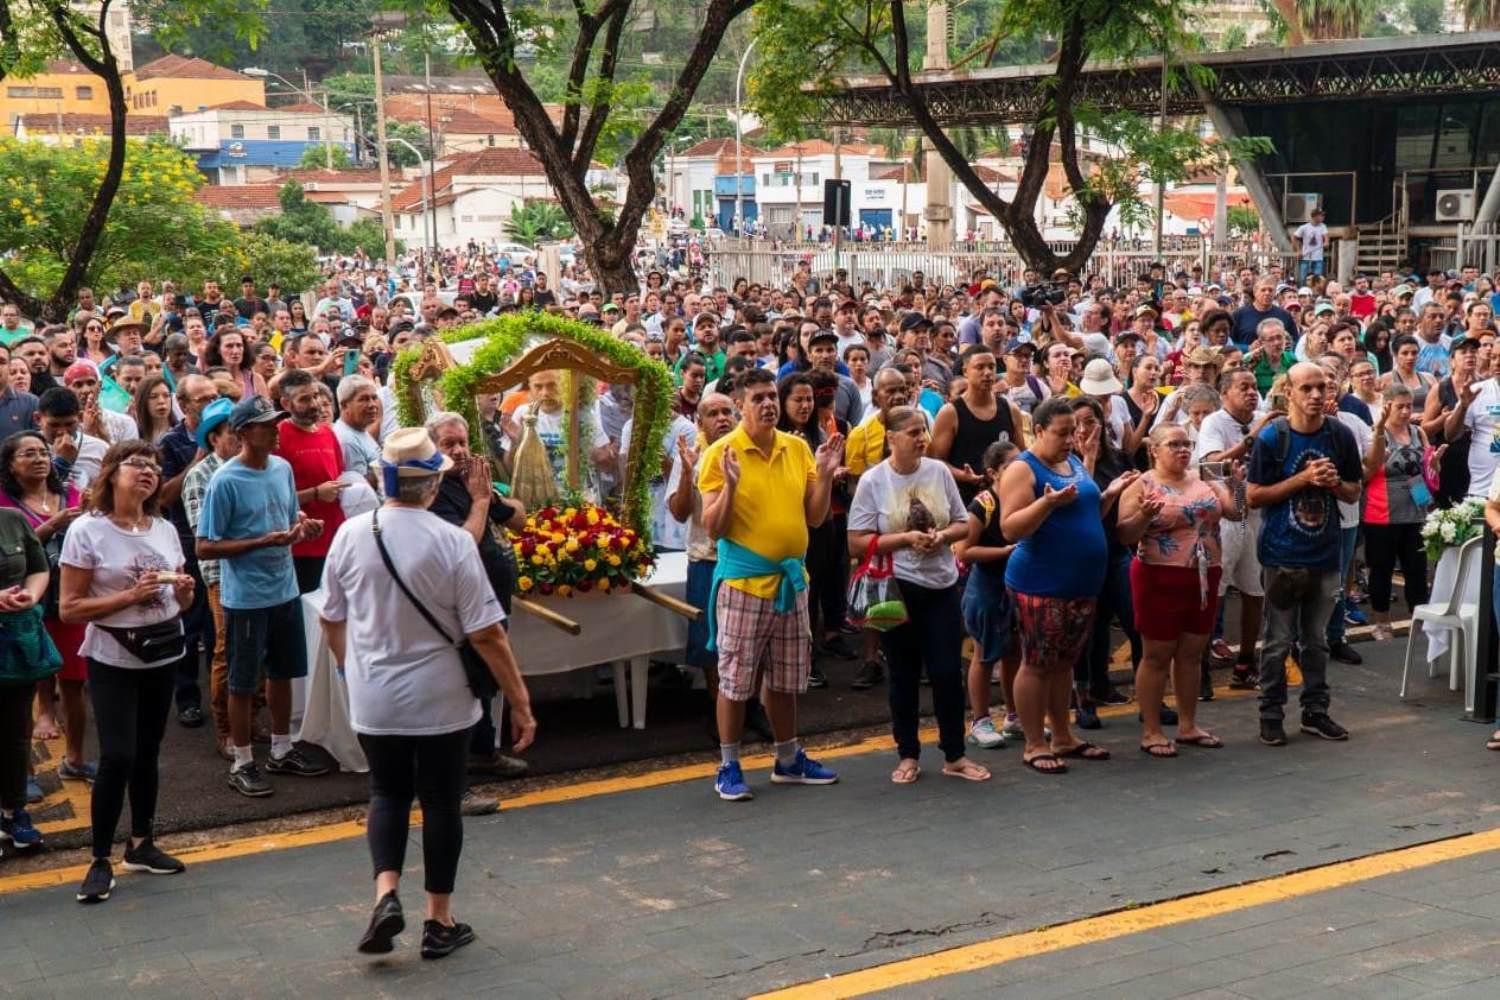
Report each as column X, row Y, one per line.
column 666, row 891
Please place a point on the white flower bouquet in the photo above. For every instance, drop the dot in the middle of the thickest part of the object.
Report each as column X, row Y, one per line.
column 1452, row 526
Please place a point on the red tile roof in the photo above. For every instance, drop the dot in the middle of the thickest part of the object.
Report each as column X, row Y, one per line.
column 302, row 108
column 91, row 124
column 186, row 68
column 239, row 196
column 336, row 177
column 822, row 147
column 456, row 121
column 239, row 106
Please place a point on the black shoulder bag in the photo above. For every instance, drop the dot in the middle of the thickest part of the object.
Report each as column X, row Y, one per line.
column 481, row 681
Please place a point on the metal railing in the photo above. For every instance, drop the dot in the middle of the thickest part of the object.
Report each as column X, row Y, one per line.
column 891, row 265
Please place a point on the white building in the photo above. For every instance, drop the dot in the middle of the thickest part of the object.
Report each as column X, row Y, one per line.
column 230, row 140
column 471, row 196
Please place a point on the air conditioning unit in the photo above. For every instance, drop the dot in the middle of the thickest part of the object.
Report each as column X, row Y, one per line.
column 1456, row 205
column 1299, row 206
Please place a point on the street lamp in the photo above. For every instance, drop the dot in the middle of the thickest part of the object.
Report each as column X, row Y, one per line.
column 260, row 73
column 739, row 174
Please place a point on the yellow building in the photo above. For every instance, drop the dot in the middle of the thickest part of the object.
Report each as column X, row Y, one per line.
column 63, row 88
column 174, row 84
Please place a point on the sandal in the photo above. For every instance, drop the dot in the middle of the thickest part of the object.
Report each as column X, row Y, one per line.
column 1167, row 749
column 1207, row 741
column 1035, row 762
column 1494, row 743
column 1085, row 751
column 906, row 772
column 969, row 771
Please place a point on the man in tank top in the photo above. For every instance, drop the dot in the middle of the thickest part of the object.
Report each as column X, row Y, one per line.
column 971, row 423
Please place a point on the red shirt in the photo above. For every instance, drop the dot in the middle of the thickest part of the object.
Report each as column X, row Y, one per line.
column 315, row 458
column 1361, row 306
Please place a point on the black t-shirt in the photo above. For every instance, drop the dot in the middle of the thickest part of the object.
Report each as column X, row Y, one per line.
column 247, row 308
column 484, row 301
column 453, row 505
column 544, row 297
column 986, row 507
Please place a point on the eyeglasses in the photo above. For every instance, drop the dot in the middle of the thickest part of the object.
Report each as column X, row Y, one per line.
column 142, row 465
column 32, row 453
column 1177, row 444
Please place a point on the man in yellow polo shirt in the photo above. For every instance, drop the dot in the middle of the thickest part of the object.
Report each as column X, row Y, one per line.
column 866, row 447
column 761, row 490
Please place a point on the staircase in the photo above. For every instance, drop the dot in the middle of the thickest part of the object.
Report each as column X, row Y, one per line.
column 1382, row 247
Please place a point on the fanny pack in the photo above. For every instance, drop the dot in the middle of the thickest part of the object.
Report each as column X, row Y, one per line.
column 156, row 643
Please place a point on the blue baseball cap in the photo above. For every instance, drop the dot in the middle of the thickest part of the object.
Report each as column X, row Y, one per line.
column 213, row 415
column 254, row 410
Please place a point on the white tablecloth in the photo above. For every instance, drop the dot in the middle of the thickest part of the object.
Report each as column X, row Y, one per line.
column 619, row 629
column 1443, row 579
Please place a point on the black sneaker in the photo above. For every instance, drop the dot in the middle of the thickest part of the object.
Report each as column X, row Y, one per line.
column 1244, row 677
column 439, row 941
column 1322, row 726
column 1087, row 716
column 839, row 648
column 296, row 763
column 385, row 923
column 1345, row 653
column 249, row 781
column 474, row 804
column 816, row 679
column 147, row 857
column 98, row 883
column 1113, row 696
column 1168, row 716
column 869, row 675
column 1271, row 733
column 190, row 717
column 498, row 764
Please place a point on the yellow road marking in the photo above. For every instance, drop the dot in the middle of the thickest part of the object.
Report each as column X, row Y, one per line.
column 349, row 829
column 74, row 793
column 1027, row 944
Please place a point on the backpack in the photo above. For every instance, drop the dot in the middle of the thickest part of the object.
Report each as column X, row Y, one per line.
column 1344, row 447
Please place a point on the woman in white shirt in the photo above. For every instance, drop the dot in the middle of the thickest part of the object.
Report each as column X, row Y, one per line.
column 410, row 701
column 909, row 508
column 122, row 573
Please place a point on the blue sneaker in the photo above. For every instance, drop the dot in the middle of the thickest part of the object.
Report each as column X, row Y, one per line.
column 87, row 771
column 804, row 771
column 18, row 830
column 1354, row 616
column 34, row 793
column 730, row 784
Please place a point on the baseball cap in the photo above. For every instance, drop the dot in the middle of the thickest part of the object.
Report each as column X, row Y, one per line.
column 1462, row 343
column 254, row 410
column 213, row 415
column 1145, row 309
column 913, row 321
column 1322, row 308
column 823, row 335
column 80, row 369
column 1016, row 345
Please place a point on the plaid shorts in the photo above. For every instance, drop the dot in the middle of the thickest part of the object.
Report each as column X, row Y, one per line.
column 753, row 639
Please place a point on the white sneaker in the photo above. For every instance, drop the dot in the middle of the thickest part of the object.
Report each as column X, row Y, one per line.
column 984, row 735
column 1012, row 728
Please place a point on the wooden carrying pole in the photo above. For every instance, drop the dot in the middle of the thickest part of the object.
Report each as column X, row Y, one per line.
column 547, row 615
column 667, row 601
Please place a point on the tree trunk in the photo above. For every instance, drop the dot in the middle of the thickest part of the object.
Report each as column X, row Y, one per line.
column 1287, row 10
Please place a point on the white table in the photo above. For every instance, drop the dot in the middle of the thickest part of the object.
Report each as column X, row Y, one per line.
column 617, row 629
column 1443, row 579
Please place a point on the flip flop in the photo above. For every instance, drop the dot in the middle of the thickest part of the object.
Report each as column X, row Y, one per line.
column 969, row 772
column 906, row 772
column 1085, row 751
column 1032, row 763
column 1494, row 743
column 1208, row 741
column 1153, row 749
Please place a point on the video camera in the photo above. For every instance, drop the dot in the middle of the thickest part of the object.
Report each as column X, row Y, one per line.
column 1044, row 293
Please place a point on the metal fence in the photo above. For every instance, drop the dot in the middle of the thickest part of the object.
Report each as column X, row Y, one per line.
column 891, row 265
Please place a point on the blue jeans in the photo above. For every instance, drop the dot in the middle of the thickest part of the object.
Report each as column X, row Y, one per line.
column 1307, row 268
column 1348, row 537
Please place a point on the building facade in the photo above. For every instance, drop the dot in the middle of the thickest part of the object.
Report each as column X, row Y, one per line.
column 231, row 140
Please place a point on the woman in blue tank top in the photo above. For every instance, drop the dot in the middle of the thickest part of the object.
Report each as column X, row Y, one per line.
column 1053, row 512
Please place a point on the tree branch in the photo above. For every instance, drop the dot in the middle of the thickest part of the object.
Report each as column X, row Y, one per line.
column 599, row 110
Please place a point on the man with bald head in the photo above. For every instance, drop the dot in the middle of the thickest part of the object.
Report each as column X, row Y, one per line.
column 1301, row 465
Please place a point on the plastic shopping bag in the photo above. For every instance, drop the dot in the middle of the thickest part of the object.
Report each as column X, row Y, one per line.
column 874, row 597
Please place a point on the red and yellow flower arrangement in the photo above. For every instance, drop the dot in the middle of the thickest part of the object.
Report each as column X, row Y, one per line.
column 578, row 549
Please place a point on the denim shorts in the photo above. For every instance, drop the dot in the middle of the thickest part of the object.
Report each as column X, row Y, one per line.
column 700, row 576
column 989, row 616
column 272, row 636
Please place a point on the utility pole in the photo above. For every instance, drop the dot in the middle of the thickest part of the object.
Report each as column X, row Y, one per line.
column 431, row 182
column 386, row 220
column 939, row 178
column 1161, row 184
column 327, row 122
column 838, row 175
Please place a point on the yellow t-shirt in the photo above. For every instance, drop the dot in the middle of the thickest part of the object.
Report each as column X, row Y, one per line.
column 865, row 446
column 768, row 517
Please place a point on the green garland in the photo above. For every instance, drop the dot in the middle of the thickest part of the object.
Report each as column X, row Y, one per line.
column 506, row 339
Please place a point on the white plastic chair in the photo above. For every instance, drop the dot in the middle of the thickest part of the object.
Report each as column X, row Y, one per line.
column 1455, row 615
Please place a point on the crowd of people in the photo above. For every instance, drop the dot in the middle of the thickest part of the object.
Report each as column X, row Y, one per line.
column 1035, row 466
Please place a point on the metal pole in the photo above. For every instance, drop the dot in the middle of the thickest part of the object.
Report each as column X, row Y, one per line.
column 838, row 198
column 432, row 151
column 740, row 177
column 387, row 219
column 1161, row 185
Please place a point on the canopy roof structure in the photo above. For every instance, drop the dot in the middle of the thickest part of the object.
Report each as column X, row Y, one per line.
column 1363, row 68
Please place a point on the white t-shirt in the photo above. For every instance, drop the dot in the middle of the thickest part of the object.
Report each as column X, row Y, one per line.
column 119, row 426
column 1363, row 437
column 89, row 461
column 666, row 531
column 883, row 503
column 1220, row 431
column 404, row 680
column 1483, row 422
column 1314, row 237
column 118, row 558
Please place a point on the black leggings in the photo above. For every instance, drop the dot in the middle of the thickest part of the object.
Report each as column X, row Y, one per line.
column 15, row 743
column 1385, row 545
column 430, row 769
column 932, row 639
column 828, row 573
column 130, row 713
